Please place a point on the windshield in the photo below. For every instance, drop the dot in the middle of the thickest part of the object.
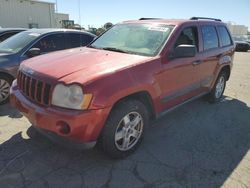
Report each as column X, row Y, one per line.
column 17, row 42
column 134, row 38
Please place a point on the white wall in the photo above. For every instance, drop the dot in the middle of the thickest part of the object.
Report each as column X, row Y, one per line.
column 237, row 29
column 19, row 13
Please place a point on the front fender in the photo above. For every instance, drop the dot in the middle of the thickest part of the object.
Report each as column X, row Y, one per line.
column 118, row 85
column 107, row 91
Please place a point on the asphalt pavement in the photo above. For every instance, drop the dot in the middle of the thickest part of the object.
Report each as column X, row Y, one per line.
column 198, row 145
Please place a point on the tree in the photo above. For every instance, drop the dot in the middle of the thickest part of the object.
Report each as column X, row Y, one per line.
column 107, row 25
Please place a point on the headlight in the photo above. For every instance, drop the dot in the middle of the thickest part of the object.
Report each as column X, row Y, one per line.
column 70, row 97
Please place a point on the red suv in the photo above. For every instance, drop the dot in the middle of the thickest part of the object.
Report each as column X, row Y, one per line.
column 109, row 91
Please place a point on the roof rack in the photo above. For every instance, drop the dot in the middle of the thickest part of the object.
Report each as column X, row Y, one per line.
column 204, row 18
column 150, row 18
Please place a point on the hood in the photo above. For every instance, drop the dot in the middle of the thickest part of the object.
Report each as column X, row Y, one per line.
column 81, row 64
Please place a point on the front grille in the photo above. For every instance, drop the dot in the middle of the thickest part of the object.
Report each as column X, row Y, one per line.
column 34, row 89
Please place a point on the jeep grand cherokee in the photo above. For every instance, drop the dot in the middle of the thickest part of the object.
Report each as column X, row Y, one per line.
column 136, row 71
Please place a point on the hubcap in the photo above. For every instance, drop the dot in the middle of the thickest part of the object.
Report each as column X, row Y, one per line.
column 128, row 131
column 219, row 87
column 4, row 90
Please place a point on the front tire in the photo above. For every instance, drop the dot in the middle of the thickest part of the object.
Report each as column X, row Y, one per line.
column 5, row 83
column 218, row 89
column 124, row 129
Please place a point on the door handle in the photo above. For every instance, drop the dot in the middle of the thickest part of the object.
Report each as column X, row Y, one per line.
column 197, row 62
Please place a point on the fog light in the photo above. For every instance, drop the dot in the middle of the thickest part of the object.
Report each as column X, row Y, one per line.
column 63, row 127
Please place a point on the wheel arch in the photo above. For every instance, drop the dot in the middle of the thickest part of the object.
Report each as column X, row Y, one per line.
column 7, row 74
column 142, row 96
column 226, row 69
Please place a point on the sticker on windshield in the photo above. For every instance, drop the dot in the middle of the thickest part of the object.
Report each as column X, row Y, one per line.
column 34, row 34
column 162, row 29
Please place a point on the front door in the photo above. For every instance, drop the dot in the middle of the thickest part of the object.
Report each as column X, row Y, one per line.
column 179, row 80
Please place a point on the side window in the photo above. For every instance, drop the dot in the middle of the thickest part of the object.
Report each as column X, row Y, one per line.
column 72, row 40
column 210, row 38
column 51, row 43
column 86, row 39
column 224, row 36
column 7, row 35
column 188, row 36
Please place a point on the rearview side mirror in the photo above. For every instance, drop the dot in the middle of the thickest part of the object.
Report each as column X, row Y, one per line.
column 184, row 51
column 33, row 52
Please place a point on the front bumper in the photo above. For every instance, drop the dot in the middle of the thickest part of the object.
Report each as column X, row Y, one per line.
column 85, row 126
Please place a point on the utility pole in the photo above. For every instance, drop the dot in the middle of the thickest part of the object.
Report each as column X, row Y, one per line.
column 79, row 6
column 56, row 7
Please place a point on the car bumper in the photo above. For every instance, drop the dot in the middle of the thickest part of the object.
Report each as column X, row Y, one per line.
column 83, row 126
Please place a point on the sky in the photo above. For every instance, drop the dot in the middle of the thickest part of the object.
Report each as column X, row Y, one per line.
column 97, row 13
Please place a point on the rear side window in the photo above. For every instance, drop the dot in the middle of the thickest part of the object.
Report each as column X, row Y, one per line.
column 86, row 39
column 210, row 38
column 224, row 36
column 72, row 40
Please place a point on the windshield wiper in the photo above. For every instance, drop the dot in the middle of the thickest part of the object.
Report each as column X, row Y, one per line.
column 115, row 50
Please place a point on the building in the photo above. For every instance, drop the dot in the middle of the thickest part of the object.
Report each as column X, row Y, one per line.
column 237, row 29
column 59, row 20
column 30, row 14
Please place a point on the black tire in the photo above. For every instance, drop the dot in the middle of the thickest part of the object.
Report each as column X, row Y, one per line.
column 213, row 98
column 8, row 80
column 107, row 139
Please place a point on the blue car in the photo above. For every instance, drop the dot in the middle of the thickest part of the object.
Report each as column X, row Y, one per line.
column 34, row 42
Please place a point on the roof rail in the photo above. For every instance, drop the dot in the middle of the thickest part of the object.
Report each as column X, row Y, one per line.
column 204, row 18
column 150, row 18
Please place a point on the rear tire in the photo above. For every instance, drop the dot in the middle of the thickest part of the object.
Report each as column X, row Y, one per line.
column 218, row 89
column 124, row 129
column 5, row 83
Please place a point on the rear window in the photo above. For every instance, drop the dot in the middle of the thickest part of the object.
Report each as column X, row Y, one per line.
column 210, row 38
column 224, row 36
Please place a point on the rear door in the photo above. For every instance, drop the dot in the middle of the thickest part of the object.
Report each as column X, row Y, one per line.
column 210, row 55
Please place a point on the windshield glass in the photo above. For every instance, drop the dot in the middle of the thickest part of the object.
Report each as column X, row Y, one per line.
column 17, row 42
column 134, row 38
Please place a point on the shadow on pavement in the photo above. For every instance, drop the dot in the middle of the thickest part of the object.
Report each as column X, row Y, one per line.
column 8, row 110
column 197, row 145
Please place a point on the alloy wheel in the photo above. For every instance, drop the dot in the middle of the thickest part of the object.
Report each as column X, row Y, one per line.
column 4, row 90
column 129, row 131
column 220, row 87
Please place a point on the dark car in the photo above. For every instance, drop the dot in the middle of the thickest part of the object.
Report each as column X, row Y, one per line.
column 6, row 33
column 31, row 43
column 242, row 46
